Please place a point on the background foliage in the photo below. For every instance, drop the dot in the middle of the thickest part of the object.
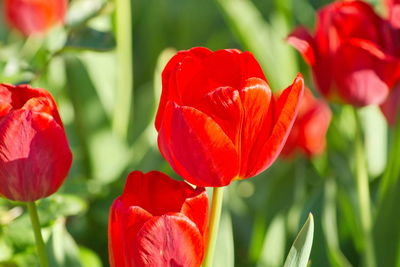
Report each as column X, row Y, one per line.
column 77, row 64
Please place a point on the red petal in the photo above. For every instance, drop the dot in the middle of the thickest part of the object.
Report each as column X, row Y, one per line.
column 168, row 240
column 196, row 209
column 169, row 90
column 196, row 147
column 391, row 106
column 156, row 192
column 225, row 107
column 309, row 130
column 230, row 67
column 197, row 77
column 301, row 39
column 346, row 19
column 33, row 17
column 124, row 223
column 394, row 15
column 267, row 148
column 363, row 73
column 257, row 120
column 190, row 76
column 25, row 97
column 35, row 157
column 313, row 128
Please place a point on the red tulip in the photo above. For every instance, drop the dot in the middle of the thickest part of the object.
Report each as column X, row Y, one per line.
column 391, row 107
column 348, row 53
column 157, row 221
column 308, row 134
column 34, row 16
column 217, row 120
column 393, row 7
column 34, row 154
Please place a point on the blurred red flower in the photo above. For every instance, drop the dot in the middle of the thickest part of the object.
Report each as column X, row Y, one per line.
column 34, row 16
column 157, row 221
column 217, row 119
column 349, row 53
column 308, row 134
column 393, row 8
column 391, row 106
column 34, row 154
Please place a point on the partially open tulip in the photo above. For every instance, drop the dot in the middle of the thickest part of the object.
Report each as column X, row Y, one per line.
column 34, row 16
column 157, row 221
column 34, row 153
column 308, row 134
column 348, row 53
column 217, row 120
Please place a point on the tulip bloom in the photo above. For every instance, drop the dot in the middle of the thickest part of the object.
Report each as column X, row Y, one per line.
column 34, row 16
column 157, row 221
column 308, row 134
column 348, row 54
column 217, row 120
column 393, row 7
column 34, row 154
column 391, row 107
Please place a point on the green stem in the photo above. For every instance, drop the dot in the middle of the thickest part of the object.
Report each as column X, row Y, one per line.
column 41, row 249
column 363, row 195
column 216, row 206
column 392, row 170
column 125, row 68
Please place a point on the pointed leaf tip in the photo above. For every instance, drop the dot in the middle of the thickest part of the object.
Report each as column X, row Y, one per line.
column 300, row 251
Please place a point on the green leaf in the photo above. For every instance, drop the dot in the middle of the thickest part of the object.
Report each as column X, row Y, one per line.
column 61, row 247
column 274, row 244
column 6, row 250
column 109, row 155
column 225, row 255
column 329, row 226
column 79, row 12
column 300, row 251
column 89, row 258
column 265, row 40
column 375, row 134
column 387, row 228
column 19, row 232
column 59, row 205
column 102, row 72
column 148, row 137
column 85, row 38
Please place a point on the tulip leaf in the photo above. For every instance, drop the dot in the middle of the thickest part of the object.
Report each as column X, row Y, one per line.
column 81, row 11
column 61, row 247
column 329, row 226
column 5, row 250
column 89, row 258
column 224, row 254
column 107, row 168
column 387, row 228
column 103, row 78
column 60, row 205
column 263, row 39
column 301, row 248
column 375, row 134
column 147, row 139
column 273, row 249
column 85, row 38
column 19, row 231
